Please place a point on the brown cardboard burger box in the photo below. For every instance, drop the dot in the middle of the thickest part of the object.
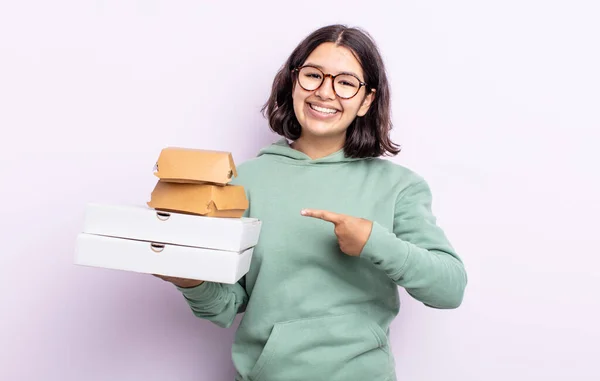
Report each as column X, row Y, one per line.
column 196, row 181
column 189, row 165
column 228, row 201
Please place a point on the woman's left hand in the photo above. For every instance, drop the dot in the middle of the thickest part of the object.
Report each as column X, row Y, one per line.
column 352, row 232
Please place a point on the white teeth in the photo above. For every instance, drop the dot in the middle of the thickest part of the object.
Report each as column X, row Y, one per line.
column 323, row 109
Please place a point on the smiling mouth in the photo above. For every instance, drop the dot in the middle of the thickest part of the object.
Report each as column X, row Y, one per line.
column 323, row 110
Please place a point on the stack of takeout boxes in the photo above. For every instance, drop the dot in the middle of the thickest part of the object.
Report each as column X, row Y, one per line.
column 192, row 227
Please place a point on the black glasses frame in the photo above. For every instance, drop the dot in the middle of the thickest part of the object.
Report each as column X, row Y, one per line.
column 297, row 72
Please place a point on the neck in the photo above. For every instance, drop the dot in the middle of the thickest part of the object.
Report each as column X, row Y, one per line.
column 320, row 147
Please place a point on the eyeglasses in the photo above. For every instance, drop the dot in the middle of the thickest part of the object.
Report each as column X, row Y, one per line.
column 345, row 85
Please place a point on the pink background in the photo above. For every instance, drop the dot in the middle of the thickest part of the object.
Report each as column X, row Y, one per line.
column 495, row 104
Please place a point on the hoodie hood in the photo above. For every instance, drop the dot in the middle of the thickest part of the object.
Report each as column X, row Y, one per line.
column 281, row 149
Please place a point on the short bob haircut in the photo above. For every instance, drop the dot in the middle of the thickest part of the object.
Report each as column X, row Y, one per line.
column 367, row 136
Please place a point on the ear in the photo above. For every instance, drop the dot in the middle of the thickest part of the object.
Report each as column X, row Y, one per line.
column 364, row 107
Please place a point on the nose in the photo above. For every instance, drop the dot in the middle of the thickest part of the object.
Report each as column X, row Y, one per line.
column 325, row 91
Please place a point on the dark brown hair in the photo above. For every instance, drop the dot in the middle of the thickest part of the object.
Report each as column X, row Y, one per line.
column 367, row 136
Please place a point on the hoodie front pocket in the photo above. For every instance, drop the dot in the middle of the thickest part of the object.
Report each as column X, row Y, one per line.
column 341, row 347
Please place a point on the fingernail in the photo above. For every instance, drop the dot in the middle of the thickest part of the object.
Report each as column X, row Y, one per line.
column 303, row 212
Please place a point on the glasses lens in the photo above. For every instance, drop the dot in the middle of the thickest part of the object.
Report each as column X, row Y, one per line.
column 346, row 86
column 310, row 78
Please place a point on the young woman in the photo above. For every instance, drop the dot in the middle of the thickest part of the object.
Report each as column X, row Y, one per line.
column 342, row 228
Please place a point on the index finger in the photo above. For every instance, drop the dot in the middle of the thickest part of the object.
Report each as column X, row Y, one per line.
column 325, row 215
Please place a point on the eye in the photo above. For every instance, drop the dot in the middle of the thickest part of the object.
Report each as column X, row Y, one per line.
column 346, row 83
column 313, row 75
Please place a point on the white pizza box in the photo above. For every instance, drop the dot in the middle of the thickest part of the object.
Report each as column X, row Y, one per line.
column 147, row 224
column 160, row 258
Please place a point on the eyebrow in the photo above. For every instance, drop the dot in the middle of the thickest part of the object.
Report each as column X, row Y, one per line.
column 343, row 72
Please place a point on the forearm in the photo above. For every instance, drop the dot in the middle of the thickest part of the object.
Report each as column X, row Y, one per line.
column 434, row 276
column 216, row 302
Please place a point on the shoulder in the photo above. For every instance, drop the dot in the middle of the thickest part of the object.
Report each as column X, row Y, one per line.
column 401, row 176
column 251, row 169
column 405, row 184
column 252, row 165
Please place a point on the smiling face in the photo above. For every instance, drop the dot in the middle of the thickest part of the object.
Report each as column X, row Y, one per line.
column 320, row 112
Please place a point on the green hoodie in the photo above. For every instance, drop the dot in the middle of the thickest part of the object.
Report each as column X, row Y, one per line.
column 311, row 311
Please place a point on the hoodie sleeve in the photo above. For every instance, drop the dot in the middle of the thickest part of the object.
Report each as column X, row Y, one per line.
column 417, row 255
column 217, row 302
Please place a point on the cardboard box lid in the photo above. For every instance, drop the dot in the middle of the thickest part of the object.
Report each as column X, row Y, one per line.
column 176, row 164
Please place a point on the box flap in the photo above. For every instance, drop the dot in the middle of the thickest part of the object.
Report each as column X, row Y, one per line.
column 180, row 197
column 230, row 198
column 176, row 164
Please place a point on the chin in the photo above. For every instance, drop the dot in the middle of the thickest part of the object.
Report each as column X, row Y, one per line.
column 322, row 128
column 323, row 131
